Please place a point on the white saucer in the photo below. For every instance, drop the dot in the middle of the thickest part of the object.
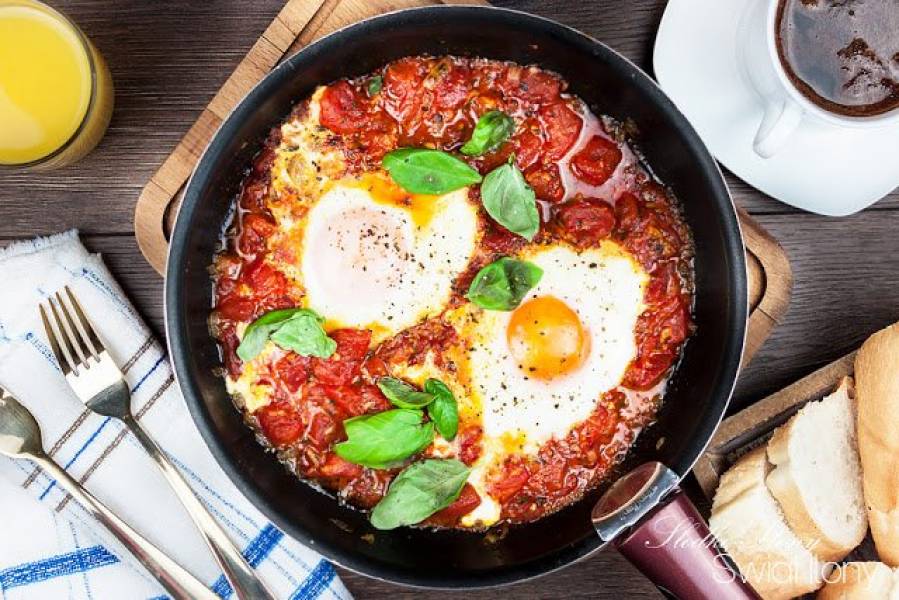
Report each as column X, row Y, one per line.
column 821, row 168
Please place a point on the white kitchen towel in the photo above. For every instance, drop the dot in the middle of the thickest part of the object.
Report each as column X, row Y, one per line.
column 49, row 546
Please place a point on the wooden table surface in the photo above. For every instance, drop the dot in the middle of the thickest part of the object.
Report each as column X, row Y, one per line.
column 168, row 57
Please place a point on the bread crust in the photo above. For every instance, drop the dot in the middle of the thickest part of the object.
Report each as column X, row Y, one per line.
column 784, row 488
column 775, row 569
column 877, row 389
column 858, row 581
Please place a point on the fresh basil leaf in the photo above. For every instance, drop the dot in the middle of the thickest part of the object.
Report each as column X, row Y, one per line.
column 492, row 130
column 259, row 331
column 375, row 84
column 503, row 284
column 510, row 201
column 402, row 394
column 426, row 171
column 443, row 411
column 303, row 334
column 383, row 439
column 422, row 489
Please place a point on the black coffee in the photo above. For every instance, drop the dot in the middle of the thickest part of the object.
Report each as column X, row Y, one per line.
column 843, row 55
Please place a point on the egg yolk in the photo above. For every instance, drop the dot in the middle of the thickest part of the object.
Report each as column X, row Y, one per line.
column 546, row 338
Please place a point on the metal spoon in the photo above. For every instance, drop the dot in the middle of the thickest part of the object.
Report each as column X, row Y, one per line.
column 20, row 437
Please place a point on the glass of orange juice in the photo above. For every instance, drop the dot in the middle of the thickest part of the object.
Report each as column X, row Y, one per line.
column 56, row 94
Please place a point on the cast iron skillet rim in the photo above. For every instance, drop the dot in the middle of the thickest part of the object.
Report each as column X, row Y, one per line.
column 730, row 229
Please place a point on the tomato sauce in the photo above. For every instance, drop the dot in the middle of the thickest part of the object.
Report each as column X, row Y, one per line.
column 590, row 188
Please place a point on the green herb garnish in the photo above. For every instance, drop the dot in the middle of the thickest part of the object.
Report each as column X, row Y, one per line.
column 297, row 329
column 384, row 439
column 492, row 129
column 503, row 284
column 510, row 201
column 444, row 411
column 426, row 171
column 402, row 394
column 422, row 489
column 375, row 84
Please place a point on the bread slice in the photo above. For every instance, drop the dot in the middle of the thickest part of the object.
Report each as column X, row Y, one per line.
column 877, row 389
column 859, row 581
column 816, row 477
column 750, row 526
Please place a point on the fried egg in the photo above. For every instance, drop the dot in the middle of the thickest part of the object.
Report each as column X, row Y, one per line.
column 385, row 262
column 534, row 373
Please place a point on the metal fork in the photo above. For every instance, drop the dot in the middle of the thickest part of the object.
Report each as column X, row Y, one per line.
column 20, row 437
column 99, row 383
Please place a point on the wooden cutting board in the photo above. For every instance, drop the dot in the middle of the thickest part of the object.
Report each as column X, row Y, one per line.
column 303, row 21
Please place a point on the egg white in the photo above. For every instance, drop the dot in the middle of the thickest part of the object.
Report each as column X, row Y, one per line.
column 369, row 265
column 604, row 287
column 520, row 413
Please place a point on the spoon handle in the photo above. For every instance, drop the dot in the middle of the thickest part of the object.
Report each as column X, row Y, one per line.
column 174, row 578
column 246, row 583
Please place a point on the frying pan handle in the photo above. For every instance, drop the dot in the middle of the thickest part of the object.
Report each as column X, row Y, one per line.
column 655, row 526
column 673, row 547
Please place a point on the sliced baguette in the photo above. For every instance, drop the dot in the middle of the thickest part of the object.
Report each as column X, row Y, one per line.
column 877, row 389
column 816, row 477
column 750, row 526
column 859, row 581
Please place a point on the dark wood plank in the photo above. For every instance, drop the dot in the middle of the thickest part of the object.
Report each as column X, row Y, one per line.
column 846, row 287
column 605, row 575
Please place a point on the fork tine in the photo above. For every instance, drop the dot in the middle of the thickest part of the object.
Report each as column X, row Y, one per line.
column 57, row 341
column 88, row 334
column 68, row 327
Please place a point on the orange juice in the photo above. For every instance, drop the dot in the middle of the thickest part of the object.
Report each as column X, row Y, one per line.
column 55, row 89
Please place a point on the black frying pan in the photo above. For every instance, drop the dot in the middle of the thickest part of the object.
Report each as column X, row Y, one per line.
column 699, row 391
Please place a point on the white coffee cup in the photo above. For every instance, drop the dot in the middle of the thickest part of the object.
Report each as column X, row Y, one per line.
column 785, row 106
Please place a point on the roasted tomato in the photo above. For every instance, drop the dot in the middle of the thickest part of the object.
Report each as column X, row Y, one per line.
column 585, row 221
column 343, row 109
column 293, row 370
column 467, row 501
column 537, row 86
column 562, row 126
column 330, row 371
column 345, row 366
column 265, row 280
column 236, row 308
column 280, row 423
column 358, row 399
column 323, row 418
column 513, row 477
column 470, row 444
column 452, row 88
column 595, row 162
column 352, row 344
column 336, row 467
column 403, row 92
column 546, row 182
column 527, row 145
column 255, row 229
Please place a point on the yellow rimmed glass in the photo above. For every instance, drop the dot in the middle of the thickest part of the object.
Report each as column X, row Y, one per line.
column 56, row 94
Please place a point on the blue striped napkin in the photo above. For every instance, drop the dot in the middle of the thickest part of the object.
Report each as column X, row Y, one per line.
column 49, row 546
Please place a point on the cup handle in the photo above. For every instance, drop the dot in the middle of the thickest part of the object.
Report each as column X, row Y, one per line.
column 780, row 120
